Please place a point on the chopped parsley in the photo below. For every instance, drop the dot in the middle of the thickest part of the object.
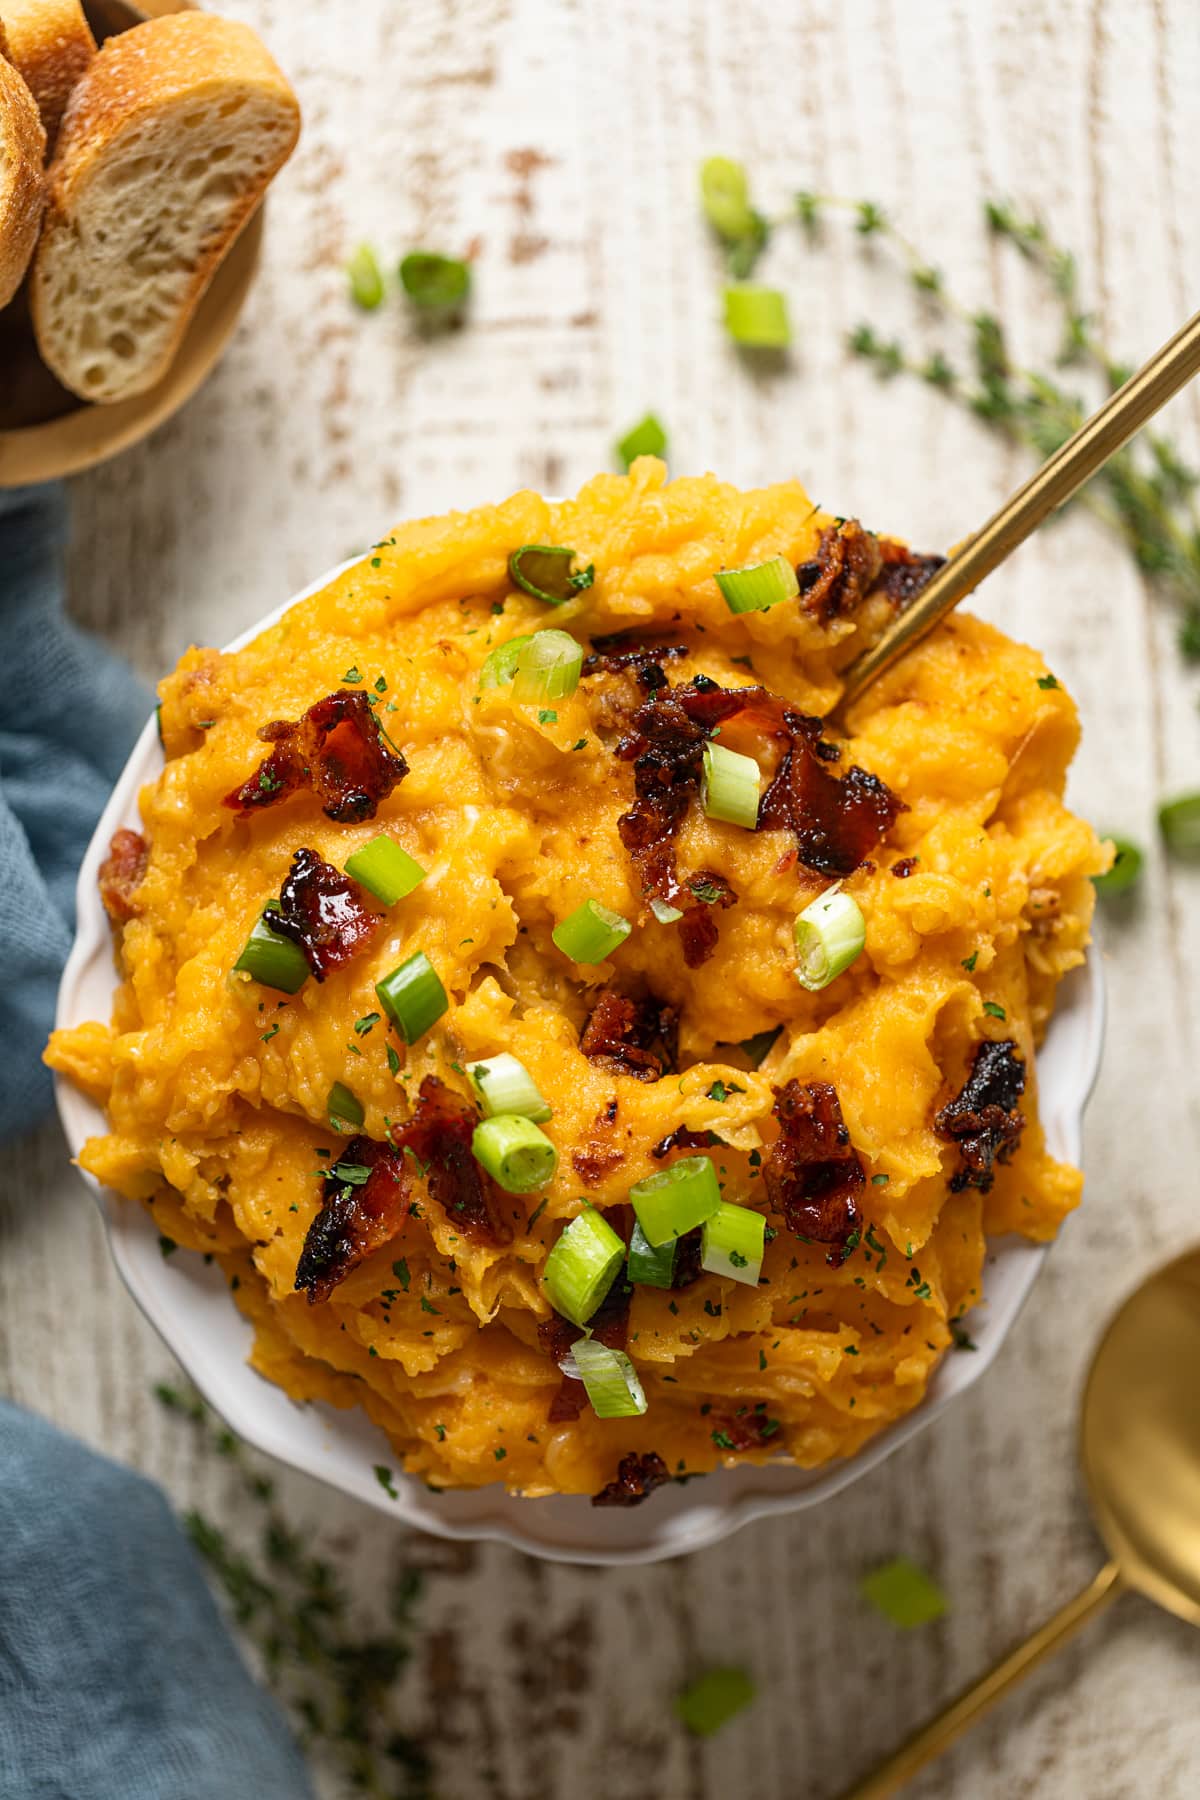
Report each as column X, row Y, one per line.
column 429, row 1307
column 1047, row 681
column 401, row 1271
column 547, row 716
column 722, row 1440
column 353, row 674
column 383, row 1476
column 993, row 1011
column 393, row 1060
column 167, row 1245
column 969, row 962
column 721, row 1090
column 366, row 1023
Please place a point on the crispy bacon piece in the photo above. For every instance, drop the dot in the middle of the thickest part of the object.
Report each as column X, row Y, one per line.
column 609, row 1324
column 355, row 1220
column 847, row 565
column 905, row 867
column 631, row 1037
column 836, row 822
column 337, row 749
column 688, row 1252
column 904, row 573
column 637, row 1477
column 594, row 1160
column 682, row 1138
column 812, row 1174
column 983, row 1119
column 323, row 911
column 121, row 874
column 746, row 1430
column 619, row 651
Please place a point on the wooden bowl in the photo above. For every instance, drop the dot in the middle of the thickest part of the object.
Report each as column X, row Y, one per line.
column 46, row 431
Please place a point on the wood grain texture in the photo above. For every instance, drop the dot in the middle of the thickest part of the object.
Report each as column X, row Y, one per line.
column 561, row 137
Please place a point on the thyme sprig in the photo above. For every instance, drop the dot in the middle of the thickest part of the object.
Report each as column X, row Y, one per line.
column 336, row 1682
column 1147, row 492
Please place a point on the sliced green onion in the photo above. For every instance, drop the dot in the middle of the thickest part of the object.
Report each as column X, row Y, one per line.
column 516, row 1153
column 725, row 196
column 548, row 668
column 413, row 997
column 664, row 912
column 365, row 278
column 729, row 786
column 435, row 283
column 500, row 665
column 675, row 1200
column 757, row 317
column 273, row 960
column 712, row 1700
column 582, row 1266
column 829, row 935
column 650, row 1265
column 731, row 1243
column 1179, row 822
column 544, row 570
column 758, row 585
column 1126, row 869
column 903, row 1593
column 344, row 1109
column 591, row 932
column 610, row 1379
column 646, row 438
column 505, row 1085
column 385, row 870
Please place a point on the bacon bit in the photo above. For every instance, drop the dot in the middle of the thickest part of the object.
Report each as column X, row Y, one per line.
column 836, row 822
column 747, row 1430
column 983, row 1119
column 613, row 654
column 637, row 1476
column 904, row 868
column 122, row 873
column 812, row 1174
column 337, row 749
column 609, row 1325
column 322, row 911
column 355, row 1221
column 904, row 574
column 688, row 1251
column 682, row 1139
column 847, row 566
column 631, row 1037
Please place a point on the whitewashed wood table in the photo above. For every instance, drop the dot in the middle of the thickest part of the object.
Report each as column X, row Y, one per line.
column 561, row 139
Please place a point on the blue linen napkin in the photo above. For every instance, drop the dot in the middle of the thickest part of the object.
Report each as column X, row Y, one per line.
column 69, row 712
column 118, row 1680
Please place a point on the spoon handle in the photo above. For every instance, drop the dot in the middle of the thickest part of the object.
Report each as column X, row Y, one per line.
column 941, row 1732
column 1049, row 487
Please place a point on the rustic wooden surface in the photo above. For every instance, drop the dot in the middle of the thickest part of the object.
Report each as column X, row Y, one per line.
column 561, row 137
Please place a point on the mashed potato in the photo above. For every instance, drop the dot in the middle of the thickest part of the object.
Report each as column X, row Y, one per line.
column 976, row 902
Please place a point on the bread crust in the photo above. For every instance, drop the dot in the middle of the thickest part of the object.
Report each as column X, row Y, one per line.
column 22, row 187
column 51, row 44
column 138, row 81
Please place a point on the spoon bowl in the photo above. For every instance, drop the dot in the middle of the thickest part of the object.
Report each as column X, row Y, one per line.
column 1139, row 1444
column 1140, row 1438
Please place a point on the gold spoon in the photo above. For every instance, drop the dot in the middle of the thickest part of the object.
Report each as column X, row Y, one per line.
column 1049, row 487
column 1139, row 1444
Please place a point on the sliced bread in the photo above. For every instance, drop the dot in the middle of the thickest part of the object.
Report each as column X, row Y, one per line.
column 22, row 193
column 166, row 148
column 51, row 44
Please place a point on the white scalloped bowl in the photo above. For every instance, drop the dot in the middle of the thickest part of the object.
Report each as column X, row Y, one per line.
column 189, row 1304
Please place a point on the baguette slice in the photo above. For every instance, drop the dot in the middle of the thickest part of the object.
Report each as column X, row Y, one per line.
column 22, row 189
column 167, row 146
column 51, row 44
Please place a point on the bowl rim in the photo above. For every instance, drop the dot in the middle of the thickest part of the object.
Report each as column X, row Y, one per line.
column 197, row 1321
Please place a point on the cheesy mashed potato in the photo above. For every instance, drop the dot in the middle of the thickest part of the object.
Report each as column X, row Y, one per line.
column 976, row 901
